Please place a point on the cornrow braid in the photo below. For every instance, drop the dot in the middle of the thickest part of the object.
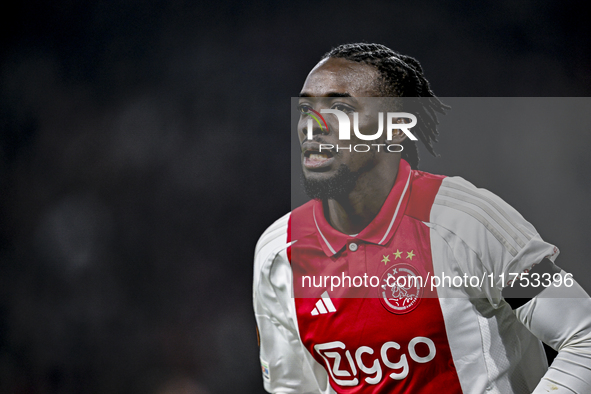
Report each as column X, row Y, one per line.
column 402, row 76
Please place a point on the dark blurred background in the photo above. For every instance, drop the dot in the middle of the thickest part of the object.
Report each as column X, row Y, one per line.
column 144, row 147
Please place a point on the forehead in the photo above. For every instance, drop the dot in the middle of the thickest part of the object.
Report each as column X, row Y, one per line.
column 337, row 76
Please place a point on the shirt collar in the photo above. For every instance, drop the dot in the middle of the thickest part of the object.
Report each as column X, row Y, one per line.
column 381, row 229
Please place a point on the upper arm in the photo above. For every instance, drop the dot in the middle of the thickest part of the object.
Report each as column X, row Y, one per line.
column 281, row 352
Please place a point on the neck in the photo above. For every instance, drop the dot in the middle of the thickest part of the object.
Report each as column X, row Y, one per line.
column 352, row 213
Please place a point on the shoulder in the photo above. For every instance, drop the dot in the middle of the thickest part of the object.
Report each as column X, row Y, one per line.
column 478, row 216
column 422, row 194
column 464, row 201
column 275, row 234
column 270, row 245
column 283, row 230
column 272, row 249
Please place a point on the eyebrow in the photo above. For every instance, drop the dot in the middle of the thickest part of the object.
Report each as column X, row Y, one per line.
column 331, row 94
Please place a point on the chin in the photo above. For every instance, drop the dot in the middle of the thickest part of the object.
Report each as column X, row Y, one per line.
column 330, row 185
column 318, row 176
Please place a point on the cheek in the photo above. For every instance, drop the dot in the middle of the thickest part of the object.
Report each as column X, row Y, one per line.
column 301, row 129
column 359, row 160
column 369, row 125
column 301, row 136
column 333, row 125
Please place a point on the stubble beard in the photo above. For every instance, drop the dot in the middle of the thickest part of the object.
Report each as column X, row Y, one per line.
column 338, row 186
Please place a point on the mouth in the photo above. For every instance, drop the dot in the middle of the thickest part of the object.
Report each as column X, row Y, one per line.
column 314, row 159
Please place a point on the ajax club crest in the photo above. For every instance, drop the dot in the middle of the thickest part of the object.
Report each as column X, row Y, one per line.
column 401, row 288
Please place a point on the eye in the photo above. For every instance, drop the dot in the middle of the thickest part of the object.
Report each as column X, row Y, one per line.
column 344, row 108
column 304, row 108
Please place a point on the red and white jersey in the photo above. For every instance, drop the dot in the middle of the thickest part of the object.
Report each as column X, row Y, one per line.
column 454, row 338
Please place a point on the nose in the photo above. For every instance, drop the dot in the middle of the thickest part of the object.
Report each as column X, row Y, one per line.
column 312, row 128
column 312, row 125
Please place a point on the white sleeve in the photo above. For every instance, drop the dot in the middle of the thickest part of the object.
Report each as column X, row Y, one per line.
column 488, row 237
column 561, row 318
column 281, row 352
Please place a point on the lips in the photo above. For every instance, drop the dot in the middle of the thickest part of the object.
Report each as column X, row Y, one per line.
column 313, row 158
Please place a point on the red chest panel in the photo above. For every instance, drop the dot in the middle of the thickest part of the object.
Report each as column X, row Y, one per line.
column 366, row 344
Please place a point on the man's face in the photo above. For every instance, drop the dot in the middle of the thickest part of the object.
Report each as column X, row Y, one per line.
column 337, row 84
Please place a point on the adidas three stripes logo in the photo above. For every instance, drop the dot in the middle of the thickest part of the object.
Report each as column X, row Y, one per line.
column 324, row 305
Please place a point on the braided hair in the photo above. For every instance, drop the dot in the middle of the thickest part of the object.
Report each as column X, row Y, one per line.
column 401, row 76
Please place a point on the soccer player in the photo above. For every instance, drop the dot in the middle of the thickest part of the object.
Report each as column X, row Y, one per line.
column 374, row 220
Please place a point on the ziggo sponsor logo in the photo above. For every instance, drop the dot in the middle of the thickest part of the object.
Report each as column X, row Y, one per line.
column 344, row 376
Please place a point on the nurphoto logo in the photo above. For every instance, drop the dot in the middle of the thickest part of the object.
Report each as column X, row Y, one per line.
column 344, row 133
